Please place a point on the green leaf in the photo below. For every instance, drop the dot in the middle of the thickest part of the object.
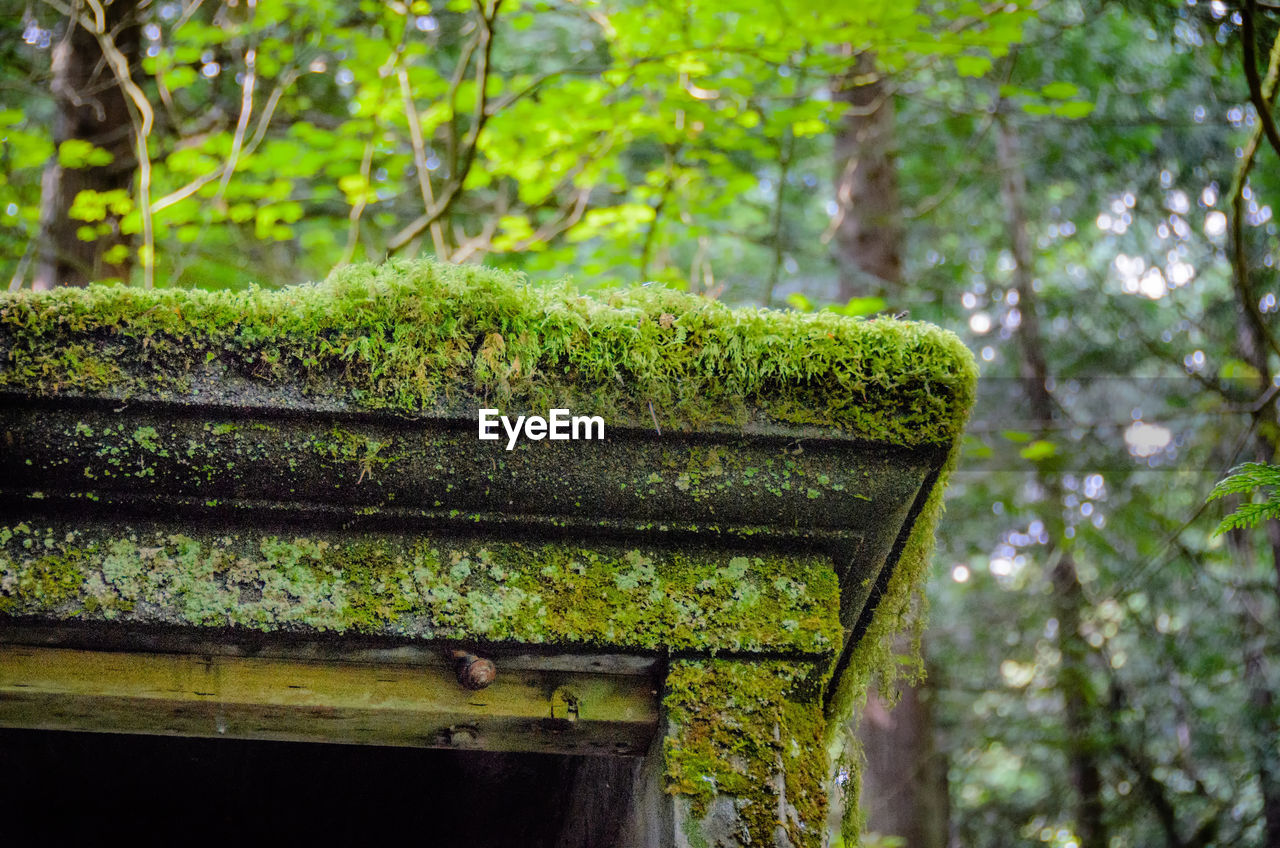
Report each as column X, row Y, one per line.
column 1038, row 450
column 241, row 212
column 972, row 66
column 78, row 153
column 808, row 127
column 1249, row 515
column 1074, row 109
column 1245, row 478
column 90, row 205
column 858, row 306
column 975, row 448
column 1237, row 369
column 1015, row 91
column 1060, row 90
column 180, row 77
column 799, row 302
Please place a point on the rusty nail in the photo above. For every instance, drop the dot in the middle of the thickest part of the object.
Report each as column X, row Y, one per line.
column 474, row 672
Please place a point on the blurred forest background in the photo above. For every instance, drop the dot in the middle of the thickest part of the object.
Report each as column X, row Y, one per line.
column 1081, row 189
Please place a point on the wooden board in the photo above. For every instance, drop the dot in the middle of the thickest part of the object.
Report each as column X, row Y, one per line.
column 293, row 700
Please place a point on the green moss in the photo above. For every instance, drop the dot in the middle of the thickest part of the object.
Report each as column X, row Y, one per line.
column 749, row 735
column 52, row 577
column 365, row 452
column 532, row 593
column 874, row 659
column 417, row 337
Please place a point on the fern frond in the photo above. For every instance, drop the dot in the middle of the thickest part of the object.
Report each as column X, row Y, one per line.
column 1250, row 515
column 1246, row 478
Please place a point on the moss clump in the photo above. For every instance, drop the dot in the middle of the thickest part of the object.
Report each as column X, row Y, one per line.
column 51, row 577
column 534, row 593
column 750, row 736
column 418, row 337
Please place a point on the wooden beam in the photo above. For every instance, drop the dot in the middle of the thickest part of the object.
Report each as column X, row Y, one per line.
column 343, row 649
column 293, row 700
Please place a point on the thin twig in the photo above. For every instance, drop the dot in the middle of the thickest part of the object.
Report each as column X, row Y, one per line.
column 1158, row 558
column 451, row 97
column 366, row 162
column 178, row 195
column 242, row 123
column 646, row 248
column 186, row 14
column 566, row 220
column 786, row 155
column 420, row 160
column 357, row 208
column 20, row 273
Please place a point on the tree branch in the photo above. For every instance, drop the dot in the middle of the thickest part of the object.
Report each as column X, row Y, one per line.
column 357, row 208
column 1239, row 262
column 264, row 120
column 461, row 165
column 242, row 123
column 142, row 117
column 1157, row 793
column 786, row 152
column 420, row 160
column 1248, row 38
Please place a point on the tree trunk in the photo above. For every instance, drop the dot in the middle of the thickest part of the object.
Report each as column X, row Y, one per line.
column 904, row 778
column 1074, row 683
column 868, row 238
column 904, row 782
column 91, row 107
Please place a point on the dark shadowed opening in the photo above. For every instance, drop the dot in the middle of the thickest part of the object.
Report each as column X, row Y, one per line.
column 88, row 788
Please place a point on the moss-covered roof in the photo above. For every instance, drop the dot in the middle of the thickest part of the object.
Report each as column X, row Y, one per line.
column 205, row 515
column 421, row 338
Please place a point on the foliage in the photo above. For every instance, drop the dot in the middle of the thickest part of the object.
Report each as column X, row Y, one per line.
column 626, row 139
column 1246, row 479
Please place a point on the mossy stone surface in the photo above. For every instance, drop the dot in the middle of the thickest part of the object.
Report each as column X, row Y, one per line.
column 139, row 456
column 745, row 752
column 421, row 587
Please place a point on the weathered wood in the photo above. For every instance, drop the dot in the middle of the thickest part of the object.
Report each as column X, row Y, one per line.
column 257, row 698
column 344, row 649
